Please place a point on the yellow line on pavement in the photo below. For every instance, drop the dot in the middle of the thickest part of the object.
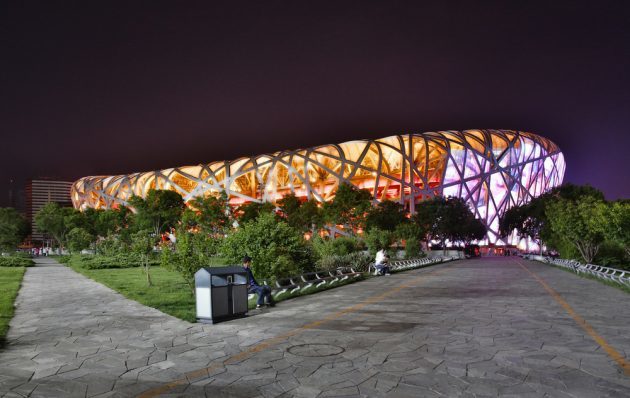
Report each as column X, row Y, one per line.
column 200, row 374
column 614, row 354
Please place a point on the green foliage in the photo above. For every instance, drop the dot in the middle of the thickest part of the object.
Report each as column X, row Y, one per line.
column 618, row 226
column 581, row 222
column 340, row 246
column 359, row 261
column 386, row 215
column 107, row 222
column 377, row 239
column 57, row 221
column 307, row 216
column 63, row 259
column 191, row 252
column 251, row 211
column 331, row 262
column 349, row 207
column 213, row 214
column 612, row 254
column 120, row 260
column 10, row 281
column 142, row 243
column 158, row 211
column 472, row 229
column 447, row 219
column 168, row 293
column 13, row 228
column 111, row 245
column 15, row 261
column 78, row 239
column 277, row 249
column 412, row 248
column 412, row 234
column 531, row 219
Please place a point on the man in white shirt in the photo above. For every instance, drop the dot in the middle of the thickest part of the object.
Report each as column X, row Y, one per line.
column 381, row 263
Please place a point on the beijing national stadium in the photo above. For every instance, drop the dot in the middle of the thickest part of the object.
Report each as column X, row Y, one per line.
column 492, row 170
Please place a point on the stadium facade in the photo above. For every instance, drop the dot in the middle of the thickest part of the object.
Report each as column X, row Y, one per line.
column 492, row 170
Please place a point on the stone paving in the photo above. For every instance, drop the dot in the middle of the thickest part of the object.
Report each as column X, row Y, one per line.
column 471, row 328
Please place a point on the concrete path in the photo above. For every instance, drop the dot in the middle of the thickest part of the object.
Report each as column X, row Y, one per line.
column 483, row 327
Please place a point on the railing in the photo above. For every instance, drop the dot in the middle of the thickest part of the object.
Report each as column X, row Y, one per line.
column 402, row 265
column 599, row 271
column 300, row 283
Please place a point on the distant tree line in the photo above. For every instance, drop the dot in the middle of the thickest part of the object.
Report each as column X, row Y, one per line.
column 290, row 237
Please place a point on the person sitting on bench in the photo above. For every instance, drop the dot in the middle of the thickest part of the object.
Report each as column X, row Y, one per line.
column 263, row 292
column 381, row 263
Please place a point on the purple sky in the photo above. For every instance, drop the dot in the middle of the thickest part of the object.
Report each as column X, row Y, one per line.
column 111, row 88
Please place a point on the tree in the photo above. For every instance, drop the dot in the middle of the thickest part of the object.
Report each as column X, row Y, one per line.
column 190, row 253
column 142, row 243
column 348, row 207
column 213, row 214
column 582, row 222
column 473, row 229
column 290, row 207
column 303, row 216
column 159, row 211
column 377, row 239
column 619, row 223
column 78, row 239
column 13, row 228
column 443, row 219
column 310, row 216
column 386, row 215
column 252, row 210
column 411, row 233
column 531, row 220
column 57, row 221
column 107, row 222
column 277, row 249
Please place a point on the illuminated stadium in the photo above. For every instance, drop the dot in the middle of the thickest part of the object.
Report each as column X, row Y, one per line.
column 492, row 170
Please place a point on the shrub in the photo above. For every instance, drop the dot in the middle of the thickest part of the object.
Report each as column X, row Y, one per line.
column 64, row 259
column 339, row 246
column 21, row 254
column 332, row 262
column 611, row 254
column 377, row 239
column 191, row 252
column 359, row 261
column 111, row 245
column 79, row 239
column 412, row 248
column 127, row 260
column 277, row 249
column 15, row 261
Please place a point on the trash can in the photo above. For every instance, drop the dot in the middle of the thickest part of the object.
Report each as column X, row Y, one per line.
column 221, row 293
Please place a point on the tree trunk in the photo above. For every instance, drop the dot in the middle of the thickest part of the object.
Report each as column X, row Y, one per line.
column 145, row 260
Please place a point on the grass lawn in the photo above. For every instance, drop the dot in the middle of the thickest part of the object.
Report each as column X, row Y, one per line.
column 169, row 293
column 10, row 281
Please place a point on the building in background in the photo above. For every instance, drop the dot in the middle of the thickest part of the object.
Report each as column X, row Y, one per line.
column 38, row 194
column 492, row 170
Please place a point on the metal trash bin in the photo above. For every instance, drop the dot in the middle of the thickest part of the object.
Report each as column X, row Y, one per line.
column 221, row 293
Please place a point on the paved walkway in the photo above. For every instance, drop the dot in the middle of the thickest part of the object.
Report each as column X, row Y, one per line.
column 483, row 327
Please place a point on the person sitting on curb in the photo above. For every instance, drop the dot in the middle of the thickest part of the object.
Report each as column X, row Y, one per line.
column 381, row 263
column 263, row 292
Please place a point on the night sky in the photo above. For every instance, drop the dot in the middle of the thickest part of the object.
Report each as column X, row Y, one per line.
column 111, row 87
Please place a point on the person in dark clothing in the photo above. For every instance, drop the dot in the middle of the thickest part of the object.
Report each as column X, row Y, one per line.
column 263, row 292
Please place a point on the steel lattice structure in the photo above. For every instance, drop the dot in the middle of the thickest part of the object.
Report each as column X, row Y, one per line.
column 492, row 170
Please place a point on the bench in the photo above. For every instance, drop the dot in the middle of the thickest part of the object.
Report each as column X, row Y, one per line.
column 287, row 285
